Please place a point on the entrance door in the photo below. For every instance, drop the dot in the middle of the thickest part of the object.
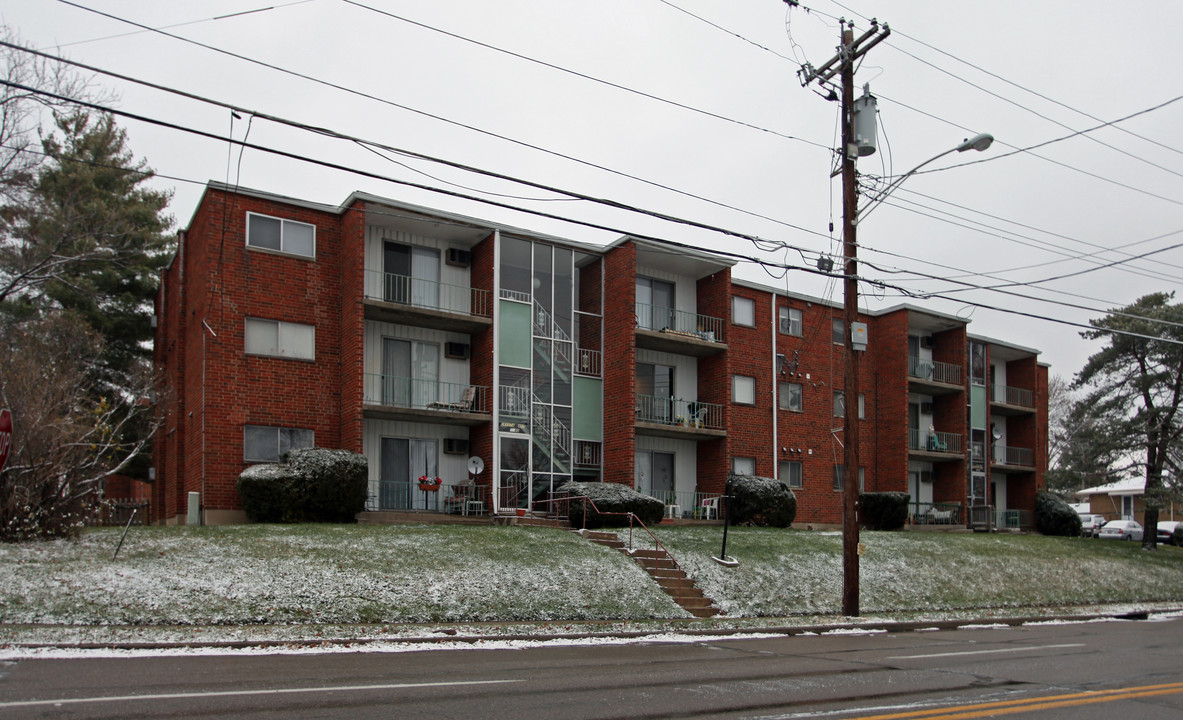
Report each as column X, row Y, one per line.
column 396, row 372
column 410, row 274
column 394, row 476
column 663, row 477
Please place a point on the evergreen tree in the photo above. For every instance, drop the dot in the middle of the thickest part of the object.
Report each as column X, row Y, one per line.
column 1135, row 393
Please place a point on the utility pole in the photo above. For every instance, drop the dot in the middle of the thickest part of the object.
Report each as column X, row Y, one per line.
column 843, row 64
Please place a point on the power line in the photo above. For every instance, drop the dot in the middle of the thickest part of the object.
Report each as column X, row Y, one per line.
column 407, row 108
column 578, row 74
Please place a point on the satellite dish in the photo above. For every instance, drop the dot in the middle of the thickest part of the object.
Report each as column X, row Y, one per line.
column 476, row 466
column 995, row 433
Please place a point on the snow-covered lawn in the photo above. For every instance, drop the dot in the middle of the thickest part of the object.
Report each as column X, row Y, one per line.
column 296, row 583
column 790, row 572
column 276, row 574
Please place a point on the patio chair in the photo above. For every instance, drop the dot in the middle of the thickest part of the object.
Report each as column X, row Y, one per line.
column 467, row 398
column 710, row 509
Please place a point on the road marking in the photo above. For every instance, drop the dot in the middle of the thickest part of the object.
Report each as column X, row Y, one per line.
column 1027, row 705
column 986, row 652
column 246, row 693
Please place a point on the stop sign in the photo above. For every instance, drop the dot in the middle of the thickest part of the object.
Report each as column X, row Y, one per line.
column 5, row 435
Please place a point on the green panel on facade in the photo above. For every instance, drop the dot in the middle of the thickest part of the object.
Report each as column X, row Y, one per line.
column 977, row 405
column 515, row 334
column 588, row 409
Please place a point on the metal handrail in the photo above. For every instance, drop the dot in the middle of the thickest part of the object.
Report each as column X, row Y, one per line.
column 631, row 517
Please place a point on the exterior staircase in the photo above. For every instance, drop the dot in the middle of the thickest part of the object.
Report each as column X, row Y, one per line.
column 664, row 571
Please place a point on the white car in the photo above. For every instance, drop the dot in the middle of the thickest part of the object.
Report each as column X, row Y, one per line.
column 1090, row 525
column 1121, row 530
column 1166, row 531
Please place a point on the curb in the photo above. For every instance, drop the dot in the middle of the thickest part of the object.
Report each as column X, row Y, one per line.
column 453, row 637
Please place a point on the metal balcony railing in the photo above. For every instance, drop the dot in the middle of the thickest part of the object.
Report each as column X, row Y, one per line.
column 588, row 362
column 1014, row 396
column 688, row 505
column 679, row 322
column 428, row 294
column 934, row 441
column 449, row 499
column 418, row 394
column 935, row 513
column 1006, row 455
column 675, row 411
column 934, row 370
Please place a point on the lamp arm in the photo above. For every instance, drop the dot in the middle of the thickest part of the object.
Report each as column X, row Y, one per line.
column 878, row 200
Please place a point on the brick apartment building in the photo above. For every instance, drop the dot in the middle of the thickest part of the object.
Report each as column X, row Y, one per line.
column 421, row 339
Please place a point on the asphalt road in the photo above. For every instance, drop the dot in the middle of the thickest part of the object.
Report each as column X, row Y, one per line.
column 1111, row 670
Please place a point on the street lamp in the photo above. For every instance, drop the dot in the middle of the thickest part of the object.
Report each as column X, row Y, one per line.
column 852, row 217
column 978, row 142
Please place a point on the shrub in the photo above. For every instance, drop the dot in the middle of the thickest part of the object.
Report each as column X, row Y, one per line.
column 1053, row 516
column 884, row 510
column 611, row 498
column 310, row 485
column 1177, row 536
column 761, row 501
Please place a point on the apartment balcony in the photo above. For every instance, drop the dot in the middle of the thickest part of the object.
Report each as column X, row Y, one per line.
column 932, row 377
column 389, row 397
column 1011, row 401
column 1013, row 459
column 676, row 331
column 677, row 418
column 413, row 301
column 934, row 446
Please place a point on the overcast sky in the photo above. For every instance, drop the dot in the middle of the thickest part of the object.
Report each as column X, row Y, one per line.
column 693, row 108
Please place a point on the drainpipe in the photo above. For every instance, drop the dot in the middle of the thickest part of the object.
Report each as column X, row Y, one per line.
column 201, row 508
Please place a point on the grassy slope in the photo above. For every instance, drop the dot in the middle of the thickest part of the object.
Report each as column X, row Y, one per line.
column 347, row 574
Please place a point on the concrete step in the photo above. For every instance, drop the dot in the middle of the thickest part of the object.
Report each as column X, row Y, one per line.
column 675, row 583
column 688, row 603
column 704, row 612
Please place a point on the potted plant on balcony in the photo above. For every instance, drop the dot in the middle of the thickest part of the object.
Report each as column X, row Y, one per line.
column 429, row 484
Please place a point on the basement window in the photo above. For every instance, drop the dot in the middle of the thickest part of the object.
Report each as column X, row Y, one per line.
column 264, row 232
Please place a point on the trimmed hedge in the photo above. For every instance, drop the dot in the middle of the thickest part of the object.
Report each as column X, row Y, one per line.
column 883, row 510
column 310, row 485
column 1053, row 516
column 611, row 498
column 761, row 501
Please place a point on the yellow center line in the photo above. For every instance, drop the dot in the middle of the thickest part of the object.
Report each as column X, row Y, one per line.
column 1008, row 707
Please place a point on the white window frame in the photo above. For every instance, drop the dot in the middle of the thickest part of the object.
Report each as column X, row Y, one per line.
column 789, row 319
column 740, row 466
column 743, row 311
column 738, row 381
column 792, row 473
column 287, row 343
column 279, row 442
column 788, row 406
column 840, row 406
column 284, row 225
column 839, row 478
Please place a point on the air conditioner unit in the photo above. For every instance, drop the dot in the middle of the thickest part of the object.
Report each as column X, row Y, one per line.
column 926, row 408
column 455, row 446
column 458, row 257
column 926, row 341
column 456, row 350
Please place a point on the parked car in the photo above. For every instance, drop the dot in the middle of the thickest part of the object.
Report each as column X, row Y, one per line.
column 1090, row 525
column 1121, row 530
column 1166, row 531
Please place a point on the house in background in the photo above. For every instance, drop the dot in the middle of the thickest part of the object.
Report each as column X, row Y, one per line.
column 1122, row 500
column 423, row 339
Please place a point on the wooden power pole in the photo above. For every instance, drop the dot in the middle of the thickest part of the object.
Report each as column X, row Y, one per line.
column 842, row 64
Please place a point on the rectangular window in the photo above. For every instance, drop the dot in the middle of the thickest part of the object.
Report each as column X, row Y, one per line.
column 263, row 443
column 840, row 476
column 743, row 466
column 792, row 473
column 790, row 397
column 977, row 363
column 789, row 321
column 840, row 405
column 743, row 311
column 280, row 339
column 838, row 331
column 743, row 390
column 286, row 236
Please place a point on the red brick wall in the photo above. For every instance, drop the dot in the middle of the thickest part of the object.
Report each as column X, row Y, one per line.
column 482, row 369
column 620, row 363
column 351, row 290
column 226, row 283
column 713, row 294
column 887, row 368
